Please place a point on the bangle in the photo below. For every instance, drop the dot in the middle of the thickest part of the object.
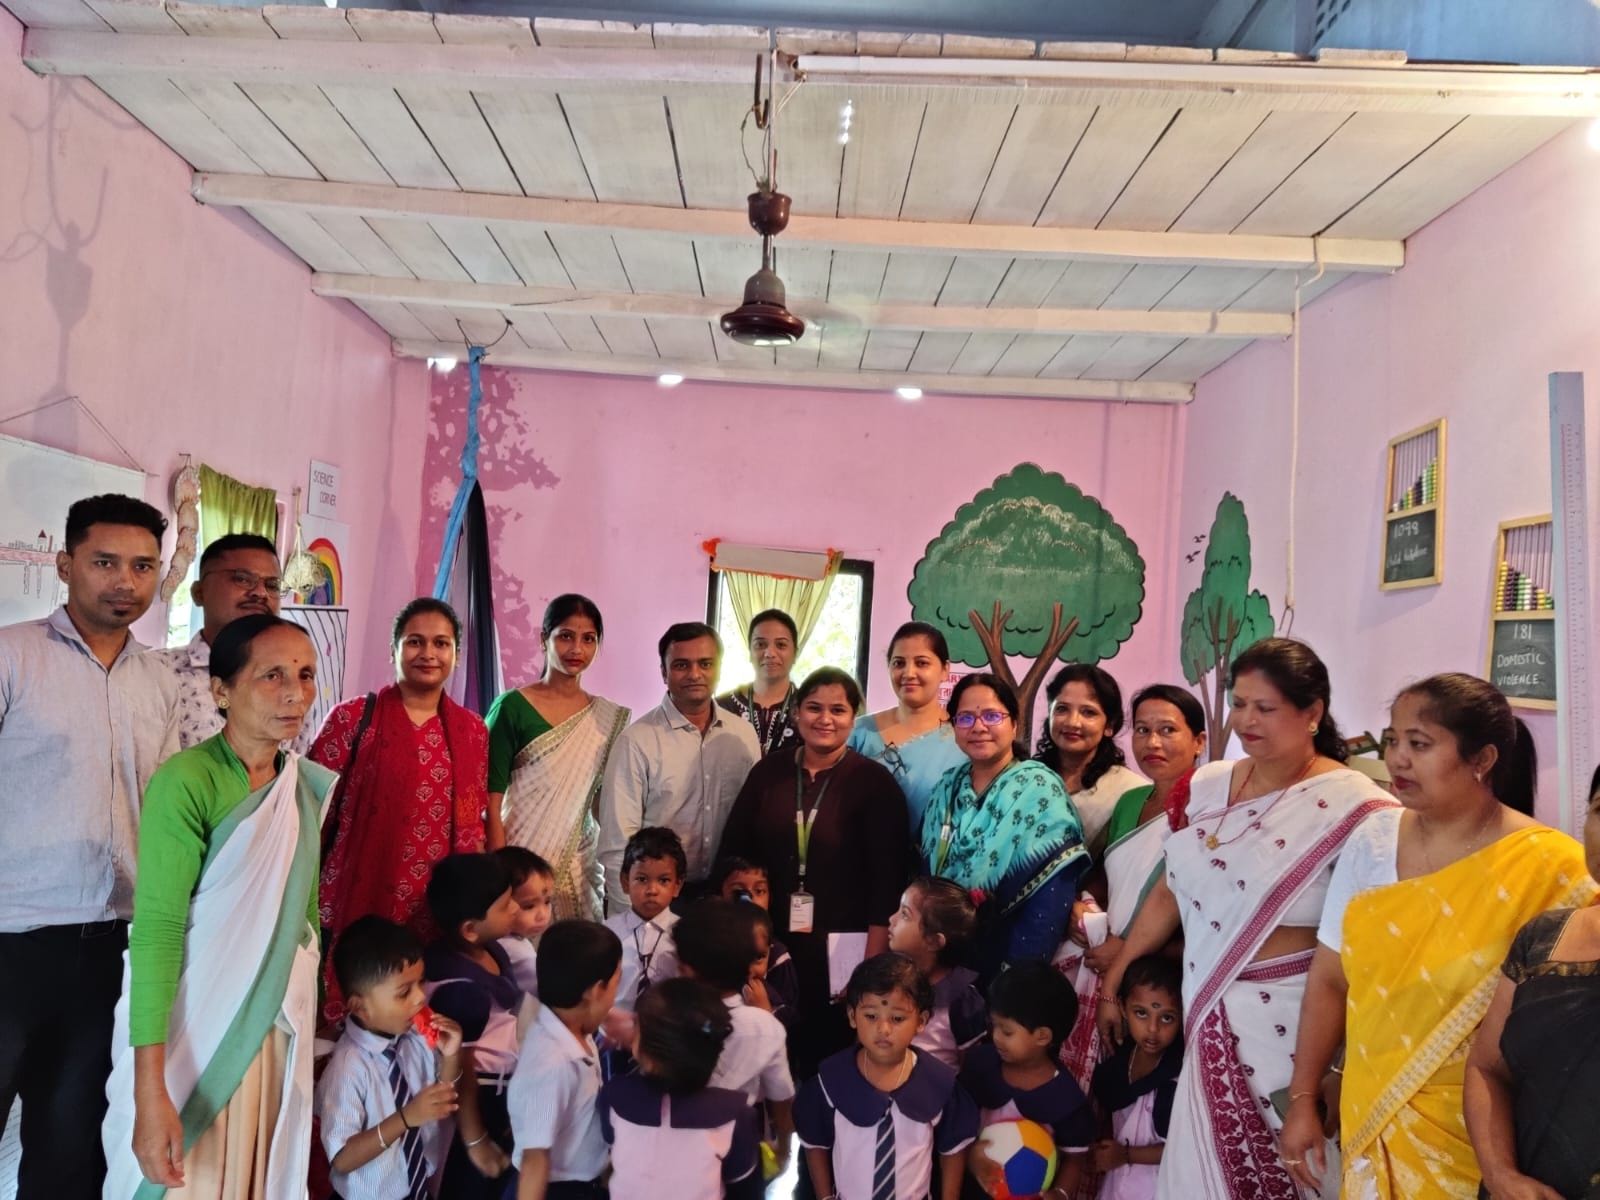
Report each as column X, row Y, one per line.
column 1106, row 999
column 477, row 1141
column 1336, row 1070
column 401, row 1113
column 456, row 1078
column 1293, row 1096
column 378, row 1128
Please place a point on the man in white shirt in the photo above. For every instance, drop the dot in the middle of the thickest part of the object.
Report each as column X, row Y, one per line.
column 239, row 576
column 681, row 765
column 86, row 714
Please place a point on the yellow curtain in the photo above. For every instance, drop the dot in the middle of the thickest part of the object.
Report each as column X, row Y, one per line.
column 228, row 506
column 803, row 599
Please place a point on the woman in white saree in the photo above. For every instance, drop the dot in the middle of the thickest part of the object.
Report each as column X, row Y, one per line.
column 210, row 1089
column 548, row 745
column 1246, row 880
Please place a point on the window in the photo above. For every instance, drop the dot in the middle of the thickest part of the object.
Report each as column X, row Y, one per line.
column 842, row 638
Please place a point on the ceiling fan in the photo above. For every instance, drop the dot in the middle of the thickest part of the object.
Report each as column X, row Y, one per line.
column 764, row 318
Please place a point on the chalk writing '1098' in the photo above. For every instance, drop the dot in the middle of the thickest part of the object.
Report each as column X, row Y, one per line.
column 1407, row 528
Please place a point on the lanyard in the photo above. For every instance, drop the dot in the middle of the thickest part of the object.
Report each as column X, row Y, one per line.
column 943, row 851
column 803, row 821
column 777, row 719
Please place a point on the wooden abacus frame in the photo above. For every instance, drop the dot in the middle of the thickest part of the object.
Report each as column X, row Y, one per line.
column 1496, row 615
column 1437, row 508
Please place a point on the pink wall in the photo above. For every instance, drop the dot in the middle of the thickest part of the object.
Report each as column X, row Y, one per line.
column 189, row 329
column 1494, row 295
column 608, row 486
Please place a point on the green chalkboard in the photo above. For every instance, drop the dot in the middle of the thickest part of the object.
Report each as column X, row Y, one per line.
column 1522, row 659
column 1411, row 549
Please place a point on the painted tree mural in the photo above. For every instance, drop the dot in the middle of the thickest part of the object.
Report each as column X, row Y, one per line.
column 1223, row 616
column 1030, row 567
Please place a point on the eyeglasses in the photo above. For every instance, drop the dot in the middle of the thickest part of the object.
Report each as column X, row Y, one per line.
column 989, row 716
column 248, row 580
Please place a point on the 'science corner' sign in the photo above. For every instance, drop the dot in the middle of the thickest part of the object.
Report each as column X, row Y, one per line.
column 322, row 491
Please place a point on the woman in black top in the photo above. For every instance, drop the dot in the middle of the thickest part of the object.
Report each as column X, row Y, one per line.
column 830, row 827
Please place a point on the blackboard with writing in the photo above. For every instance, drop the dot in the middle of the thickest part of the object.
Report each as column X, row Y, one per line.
column 1522, row 659
column 1411, row 549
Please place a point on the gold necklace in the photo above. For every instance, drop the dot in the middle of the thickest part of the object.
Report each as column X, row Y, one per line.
column 1213, row 840
column 1427, row 859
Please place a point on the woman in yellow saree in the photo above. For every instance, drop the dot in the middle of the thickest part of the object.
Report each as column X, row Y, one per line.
column 1422, row 908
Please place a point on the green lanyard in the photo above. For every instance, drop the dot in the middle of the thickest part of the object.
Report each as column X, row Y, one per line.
column 804, row 821
column 943, row 852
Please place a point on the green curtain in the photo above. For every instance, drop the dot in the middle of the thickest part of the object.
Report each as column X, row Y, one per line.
column 802, row 599
column 228, row 506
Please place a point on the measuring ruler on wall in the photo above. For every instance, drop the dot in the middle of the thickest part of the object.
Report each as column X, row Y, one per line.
column 1575, row 708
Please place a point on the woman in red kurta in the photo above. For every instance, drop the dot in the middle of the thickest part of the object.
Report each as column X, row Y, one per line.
column 414, row 790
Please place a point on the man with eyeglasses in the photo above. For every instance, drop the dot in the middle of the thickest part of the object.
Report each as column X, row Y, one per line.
column 239, row 576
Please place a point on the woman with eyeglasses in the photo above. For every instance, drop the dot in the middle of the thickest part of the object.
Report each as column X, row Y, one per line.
column 1002, row 826
column 829, row 826
column 413, row 788
column 913, row 739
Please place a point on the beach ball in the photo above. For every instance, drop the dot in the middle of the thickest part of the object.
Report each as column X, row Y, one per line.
column 1025, row 1154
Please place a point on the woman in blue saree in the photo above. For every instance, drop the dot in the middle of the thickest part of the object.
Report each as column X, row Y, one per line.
column 1004, row 828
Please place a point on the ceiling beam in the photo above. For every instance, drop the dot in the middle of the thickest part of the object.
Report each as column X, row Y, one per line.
column 485, row 68
column 505, row 297
column 1464, row 90
column 855, row 381
column 1255, row 251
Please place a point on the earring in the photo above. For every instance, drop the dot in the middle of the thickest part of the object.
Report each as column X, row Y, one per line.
column 1314, row 731
column 222, row 704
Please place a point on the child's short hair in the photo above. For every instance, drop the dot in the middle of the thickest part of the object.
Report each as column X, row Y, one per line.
column 716, row 939
column 574, row 956
column 1155, row 971
column 463, row 887
column 683, row 1025
column 886, row 973
column 523, row 864
column 369, row 951
column 655, row 841
column 1036, row 996
column 947, row 909
column 733, row 865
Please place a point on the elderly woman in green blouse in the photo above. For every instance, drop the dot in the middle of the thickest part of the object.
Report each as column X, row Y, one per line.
column 216, row 1018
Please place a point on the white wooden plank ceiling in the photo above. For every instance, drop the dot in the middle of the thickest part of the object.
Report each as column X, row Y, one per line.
column 1009, row 218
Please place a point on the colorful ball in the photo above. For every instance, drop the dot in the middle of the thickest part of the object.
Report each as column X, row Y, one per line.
column 1025, row 1155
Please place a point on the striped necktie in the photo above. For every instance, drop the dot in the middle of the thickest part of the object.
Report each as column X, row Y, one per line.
column 645, row 959
column 411, row 1139
column 883, row 1158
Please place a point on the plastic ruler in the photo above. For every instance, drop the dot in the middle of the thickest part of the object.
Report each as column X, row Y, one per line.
column 1575, row 711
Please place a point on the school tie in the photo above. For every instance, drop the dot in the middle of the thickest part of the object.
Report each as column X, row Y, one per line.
column 411, row 1139
column 644, row 958
column 883, row 1158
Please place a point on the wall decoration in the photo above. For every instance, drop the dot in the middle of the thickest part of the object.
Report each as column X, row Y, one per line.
column 1522, row 627
column 1030, row 567
column 325, row 541
column 37, row 486
column 1413, row 522
column 1222, row 616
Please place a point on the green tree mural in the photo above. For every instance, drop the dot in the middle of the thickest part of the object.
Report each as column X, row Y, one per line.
column 1222, row 617
column 1030, row 567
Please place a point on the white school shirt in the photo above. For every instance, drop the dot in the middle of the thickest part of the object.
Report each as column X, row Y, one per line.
column 839, row 1111
column 641, row 938
column 355, row 1094
column 662, row 771
column 551, row 1101
column 524, row 963
column 676, row 1147
column 755, row 1058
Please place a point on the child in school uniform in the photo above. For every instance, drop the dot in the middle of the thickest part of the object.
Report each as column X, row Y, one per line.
column 1031, row 1010
column 882, row 1112
column 673, row 1133
column 386, row 1095
column 1136, row 1086
column 934, row 926
column 774, row 984
column 533, row 884
column 560, row 1148
column 469, row 980
column 717, row 944
column 653, row 870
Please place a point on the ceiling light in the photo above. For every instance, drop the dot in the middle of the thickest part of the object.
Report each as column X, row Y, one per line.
column 908, row 392
column 669, row 379
column 443, row 365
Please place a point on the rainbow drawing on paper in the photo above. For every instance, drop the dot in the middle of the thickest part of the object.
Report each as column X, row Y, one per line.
column 331, row 590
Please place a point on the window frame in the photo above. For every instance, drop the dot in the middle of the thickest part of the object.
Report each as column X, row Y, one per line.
column 862, row 568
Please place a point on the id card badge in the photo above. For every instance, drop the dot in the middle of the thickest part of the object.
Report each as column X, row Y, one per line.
column 802, row 912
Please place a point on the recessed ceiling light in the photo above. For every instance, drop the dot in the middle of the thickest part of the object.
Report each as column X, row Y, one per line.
column 669, row 379
column 908, row 393
column 443, row 365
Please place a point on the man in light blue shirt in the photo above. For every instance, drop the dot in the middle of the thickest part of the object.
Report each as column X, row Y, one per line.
column 85, row 717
